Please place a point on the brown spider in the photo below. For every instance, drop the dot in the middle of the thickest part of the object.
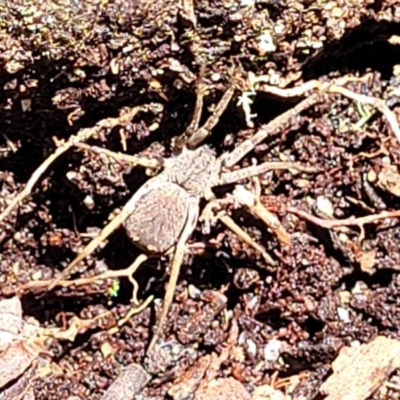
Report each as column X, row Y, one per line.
column 163, row 213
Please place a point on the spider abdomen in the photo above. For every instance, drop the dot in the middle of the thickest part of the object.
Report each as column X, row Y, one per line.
column 159, row 215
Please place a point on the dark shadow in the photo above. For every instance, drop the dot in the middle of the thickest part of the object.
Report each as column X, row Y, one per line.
column 359, row 49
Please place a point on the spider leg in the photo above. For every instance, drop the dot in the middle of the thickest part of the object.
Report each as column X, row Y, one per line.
column 144, row 162
column 272, row 127
column 247, row 199
column 317, row 89
column 193, row 137
column 106, row 231
column 200, row 92
column 83, row 135
column 211, row 213
column 180, row 248
column 180, row 141
column 248, row 172
column 235, row 228
column 200, row 135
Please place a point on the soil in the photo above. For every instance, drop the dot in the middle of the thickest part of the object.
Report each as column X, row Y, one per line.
column 67, row 65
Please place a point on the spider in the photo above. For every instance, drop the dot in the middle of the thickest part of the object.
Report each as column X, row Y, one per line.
column 163, row 213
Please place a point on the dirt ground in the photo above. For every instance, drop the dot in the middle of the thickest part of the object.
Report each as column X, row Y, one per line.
column 238, row 328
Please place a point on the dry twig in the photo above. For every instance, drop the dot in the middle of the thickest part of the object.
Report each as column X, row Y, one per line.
column 83, row 135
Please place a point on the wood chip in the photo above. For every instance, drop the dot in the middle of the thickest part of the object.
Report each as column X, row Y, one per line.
column 222, row 389
column 130, row 382
column 359, row 372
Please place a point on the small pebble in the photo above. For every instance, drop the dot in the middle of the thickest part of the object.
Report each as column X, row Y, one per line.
column 272, row 350
column 132, row 379
column 325, row 206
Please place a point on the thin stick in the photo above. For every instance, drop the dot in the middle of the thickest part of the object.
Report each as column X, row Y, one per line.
column 304, row 88
column 377, row 103
column 127, row 272
column 351, row 221
column 331, row 87
column 135, row 310
column 83, row 135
